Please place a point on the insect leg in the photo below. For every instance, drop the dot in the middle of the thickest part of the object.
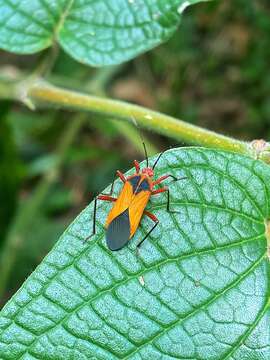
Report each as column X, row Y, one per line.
column 168, row 204
column 156, row 221
column 100, row 197
column 106, row 198
column 121, row 176
column 158, row 191
column 137, row 166
column 165, row 189
column 164, row 177
column 157, row 160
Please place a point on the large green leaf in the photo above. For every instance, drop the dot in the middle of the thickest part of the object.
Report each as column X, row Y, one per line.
column 99, row 32
column 198, row 289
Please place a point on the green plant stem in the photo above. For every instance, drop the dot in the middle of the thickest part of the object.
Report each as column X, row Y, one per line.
column 49, row 58
column 41, row 93
column 36, row 93
column 28, row 210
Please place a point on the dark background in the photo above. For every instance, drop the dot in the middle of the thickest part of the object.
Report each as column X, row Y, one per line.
column 214, row 72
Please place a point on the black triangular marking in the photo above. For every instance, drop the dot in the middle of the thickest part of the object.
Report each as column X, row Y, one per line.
column 118, row 232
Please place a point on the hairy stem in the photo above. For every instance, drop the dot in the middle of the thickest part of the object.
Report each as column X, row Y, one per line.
column 36, row 93
column 41, row 93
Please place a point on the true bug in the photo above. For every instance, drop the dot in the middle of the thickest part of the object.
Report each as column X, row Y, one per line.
column 128, row 209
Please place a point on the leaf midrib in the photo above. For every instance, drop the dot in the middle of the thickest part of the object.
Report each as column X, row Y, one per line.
column 63, row 17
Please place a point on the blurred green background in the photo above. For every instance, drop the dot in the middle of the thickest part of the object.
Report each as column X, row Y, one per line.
column 214, row 72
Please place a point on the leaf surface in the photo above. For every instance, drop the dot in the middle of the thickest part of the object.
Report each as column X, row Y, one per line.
column 100, row 32
column 198, row 289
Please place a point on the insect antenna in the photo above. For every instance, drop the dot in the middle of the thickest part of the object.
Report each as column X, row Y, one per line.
column 157, row 160
column 145, row 152
column 144, row 146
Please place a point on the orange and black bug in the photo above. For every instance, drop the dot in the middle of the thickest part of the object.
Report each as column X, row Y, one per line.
column 128, row 209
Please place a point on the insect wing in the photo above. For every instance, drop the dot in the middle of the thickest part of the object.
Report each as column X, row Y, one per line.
column 121, row 204
column 136, row 209
column 118, row 231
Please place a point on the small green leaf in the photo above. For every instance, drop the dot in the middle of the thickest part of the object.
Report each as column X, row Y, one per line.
column 100, row 32
column 198, row 289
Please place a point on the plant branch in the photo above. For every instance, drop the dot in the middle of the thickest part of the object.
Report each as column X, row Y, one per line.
column 35, row 93
column 40, row 93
